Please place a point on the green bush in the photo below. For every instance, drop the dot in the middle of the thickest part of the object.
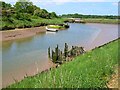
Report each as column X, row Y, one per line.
column 8, row 26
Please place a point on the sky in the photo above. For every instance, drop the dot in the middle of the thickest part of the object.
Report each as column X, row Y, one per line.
column 97, row 8
column 91, row 7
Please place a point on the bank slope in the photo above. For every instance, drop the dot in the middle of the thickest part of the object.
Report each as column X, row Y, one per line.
column 91, row 70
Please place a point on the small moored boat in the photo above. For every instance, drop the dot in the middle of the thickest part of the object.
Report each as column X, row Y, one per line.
column 51, row 29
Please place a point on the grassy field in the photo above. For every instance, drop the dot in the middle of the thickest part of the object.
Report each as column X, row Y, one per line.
column 105, row 21
column 91, row 70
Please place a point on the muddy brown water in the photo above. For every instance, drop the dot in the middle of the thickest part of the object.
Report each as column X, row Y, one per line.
column 28, row 56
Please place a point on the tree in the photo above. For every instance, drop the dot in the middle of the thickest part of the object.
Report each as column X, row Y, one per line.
column 53, row 15
column 6, row 10
column 5, row 6
column 36, row 12
column 24, row 6
column 22, row 16
column 44, row 14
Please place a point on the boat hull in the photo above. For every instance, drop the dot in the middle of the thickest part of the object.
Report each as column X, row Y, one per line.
column 52, row 30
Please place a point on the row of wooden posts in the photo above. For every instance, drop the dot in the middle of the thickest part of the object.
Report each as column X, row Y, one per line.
column 57, row 56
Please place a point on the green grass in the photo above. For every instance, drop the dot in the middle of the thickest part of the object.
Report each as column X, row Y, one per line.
column 37, row 21
column 49, row 21
column 33, row 23
column 100, row 20
column 55, row 26
column 91, row 70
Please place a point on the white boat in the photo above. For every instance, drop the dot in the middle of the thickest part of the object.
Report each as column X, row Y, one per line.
column 51, row 29
column 53, row 33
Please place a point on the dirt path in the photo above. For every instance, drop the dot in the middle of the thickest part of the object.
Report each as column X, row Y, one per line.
column 114, row 81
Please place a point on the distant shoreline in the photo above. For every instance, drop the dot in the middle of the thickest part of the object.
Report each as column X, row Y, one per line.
column 102, row 21
column 93, row 20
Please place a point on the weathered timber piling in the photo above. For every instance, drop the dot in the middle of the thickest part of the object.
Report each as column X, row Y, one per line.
column 59, row 57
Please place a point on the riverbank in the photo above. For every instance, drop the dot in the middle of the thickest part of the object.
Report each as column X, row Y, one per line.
column 114, row 81
column 100, row 20
column 21, row 33
column 92, row 69
column 92, row 20
column 34, row 22
column 21, row 30
column 27, row 32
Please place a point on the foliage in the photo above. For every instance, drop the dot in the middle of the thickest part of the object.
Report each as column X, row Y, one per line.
column 53, row 14
column 25, row 14
column 100, row 20
column 5, row 6
column 76, row 15
column 55, row 26
column 60, row 26
column 24, row 6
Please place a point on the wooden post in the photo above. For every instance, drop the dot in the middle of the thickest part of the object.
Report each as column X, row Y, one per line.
column 66, row 50
column 49, row 53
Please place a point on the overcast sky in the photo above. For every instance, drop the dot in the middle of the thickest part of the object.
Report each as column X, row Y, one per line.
column 96, row 7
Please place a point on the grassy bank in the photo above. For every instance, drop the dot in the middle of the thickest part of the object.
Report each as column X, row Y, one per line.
column 34, row 22
column 37, row 21
column 100, row 20
column 92, row 69
column 55, row 26
column 26, row 15
column 59, row 27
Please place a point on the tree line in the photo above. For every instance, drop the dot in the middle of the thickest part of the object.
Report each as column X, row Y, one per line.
column 76, row 15
column 23, row 11
column 24, row 14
